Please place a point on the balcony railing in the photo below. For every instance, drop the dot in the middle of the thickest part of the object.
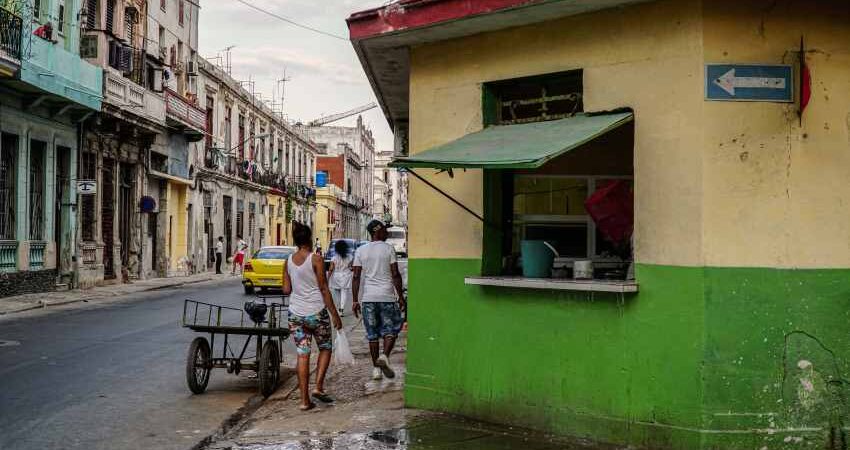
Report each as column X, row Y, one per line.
column 125, row 94
column 10, row 35
column 180, row 111
column 37, row 254
column 8, row 256
column 89, row 250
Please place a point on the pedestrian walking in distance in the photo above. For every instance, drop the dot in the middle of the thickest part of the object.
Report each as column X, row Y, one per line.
column 340, row 275
column 311, row 311
column 219, row 249
column 239, row 259
column 380, row 299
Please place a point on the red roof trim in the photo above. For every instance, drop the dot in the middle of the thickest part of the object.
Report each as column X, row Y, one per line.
column 408, row 14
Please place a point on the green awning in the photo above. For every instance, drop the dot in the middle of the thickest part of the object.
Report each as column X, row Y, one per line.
column 523, row 146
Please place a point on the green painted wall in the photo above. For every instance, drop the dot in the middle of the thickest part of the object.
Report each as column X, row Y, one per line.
column 695, row 360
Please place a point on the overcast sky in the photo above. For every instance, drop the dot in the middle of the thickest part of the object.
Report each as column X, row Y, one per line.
column 326, row 76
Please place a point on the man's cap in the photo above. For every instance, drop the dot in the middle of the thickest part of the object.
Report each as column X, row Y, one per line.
column 374, row 226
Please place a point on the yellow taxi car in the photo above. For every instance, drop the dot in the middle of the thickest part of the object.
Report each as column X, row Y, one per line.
column 265, row 268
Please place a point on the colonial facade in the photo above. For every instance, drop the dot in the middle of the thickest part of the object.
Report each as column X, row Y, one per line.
column 698, row 297
column 47, row 93
column 390, row 191
column 347, row 155
column 254, row 172
column 137, row 150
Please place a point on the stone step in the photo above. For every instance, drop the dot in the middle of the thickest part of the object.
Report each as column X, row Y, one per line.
column 63, row 287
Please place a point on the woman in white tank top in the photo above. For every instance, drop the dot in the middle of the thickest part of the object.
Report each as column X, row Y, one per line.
column 311, row 311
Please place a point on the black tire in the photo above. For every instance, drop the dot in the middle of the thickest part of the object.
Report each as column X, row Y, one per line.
column 249, row 290
column 198, row 365
column 269, row 370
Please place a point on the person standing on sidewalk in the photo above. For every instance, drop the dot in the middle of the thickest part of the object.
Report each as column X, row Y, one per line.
column 340, row 274
column 219, row 250
column 239, row 259
column 381, row 295
column 311, row 311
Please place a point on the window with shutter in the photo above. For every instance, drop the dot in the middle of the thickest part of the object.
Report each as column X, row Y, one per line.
column 36, row 9
column 181, row 11
column 110, row 16
column 91, row 14
column 61, row 18
column 130, row 25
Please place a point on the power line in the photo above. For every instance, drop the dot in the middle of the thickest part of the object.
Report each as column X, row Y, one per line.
column 290, row 21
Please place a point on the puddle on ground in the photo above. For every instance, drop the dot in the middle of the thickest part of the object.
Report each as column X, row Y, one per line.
column 443, row 432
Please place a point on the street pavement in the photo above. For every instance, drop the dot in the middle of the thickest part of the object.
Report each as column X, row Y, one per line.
column 109, row 374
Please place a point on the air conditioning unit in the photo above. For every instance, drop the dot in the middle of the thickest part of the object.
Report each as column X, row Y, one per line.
column 163, row 53
column 192, row 68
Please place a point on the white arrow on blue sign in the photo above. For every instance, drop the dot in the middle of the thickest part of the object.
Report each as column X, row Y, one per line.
column 87, row 187
column 749, row 82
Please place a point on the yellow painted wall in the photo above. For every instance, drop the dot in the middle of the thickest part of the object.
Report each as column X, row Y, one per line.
column 178, row 216
column 324, row 230
column 648, row 57
column 777, row 194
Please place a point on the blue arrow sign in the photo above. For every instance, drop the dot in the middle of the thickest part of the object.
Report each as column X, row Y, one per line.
column 753, row 83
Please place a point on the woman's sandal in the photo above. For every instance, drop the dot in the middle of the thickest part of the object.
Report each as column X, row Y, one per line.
column 322, row 397
column 307, row 407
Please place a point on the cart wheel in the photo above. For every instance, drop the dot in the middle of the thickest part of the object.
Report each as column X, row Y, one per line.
column 269, row 370
column 198, row 365
column 249, row 289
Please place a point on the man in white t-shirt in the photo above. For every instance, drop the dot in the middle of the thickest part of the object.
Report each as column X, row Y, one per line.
column 381, row 296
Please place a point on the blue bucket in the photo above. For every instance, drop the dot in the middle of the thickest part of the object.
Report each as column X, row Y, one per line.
column 537, row 259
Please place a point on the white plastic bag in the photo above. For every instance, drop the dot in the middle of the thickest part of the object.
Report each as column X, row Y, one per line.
column 342, row 352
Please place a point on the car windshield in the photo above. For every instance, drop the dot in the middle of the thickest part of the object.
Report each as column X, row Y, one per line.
column 396, row 235
column 273, row 253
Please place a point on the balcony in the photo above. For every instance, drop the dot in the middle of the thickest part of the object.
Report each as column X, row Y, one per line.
column 127, row 95
column 10, row 43
column 61, row 73
column 179, row 113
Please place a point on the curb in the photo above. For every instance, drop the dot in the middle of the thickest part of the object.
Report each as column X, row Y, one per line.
column 42, row 305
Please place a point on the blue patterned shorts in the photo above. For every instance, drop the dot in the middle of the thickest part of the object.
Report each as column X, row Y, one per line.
column 304, row 329
column 381, row 319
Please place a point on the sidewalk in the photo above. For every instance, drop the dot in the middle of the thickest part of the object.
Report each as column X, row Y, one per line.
column 26, row 302
column 369, row 415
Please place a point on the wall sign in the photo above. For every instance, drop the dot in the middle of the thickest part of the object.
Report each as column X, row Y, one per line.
column 749, row 82
column 86, row 187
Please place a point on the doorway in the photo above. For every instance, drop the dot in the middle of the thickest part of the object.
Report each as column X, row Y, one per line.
column 107, row 214
column 227, row 205
column 124, row 211
column 60, row 221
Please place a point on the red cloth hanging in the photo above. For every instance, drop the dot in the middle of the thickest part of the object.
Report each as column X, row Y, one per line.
column 612, row 209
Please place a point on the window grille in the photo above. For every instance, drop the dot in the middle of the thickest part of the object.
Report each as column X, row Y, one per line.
column 37, row 150
column 8, row 181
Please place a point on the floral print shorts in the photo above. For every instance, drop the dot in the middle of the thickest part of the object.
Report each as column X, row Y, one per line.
column 381, row 319
column 304, row 329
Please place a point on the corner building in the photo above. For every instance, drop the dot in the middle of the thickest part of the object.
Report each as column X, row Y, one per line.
column 733, row 332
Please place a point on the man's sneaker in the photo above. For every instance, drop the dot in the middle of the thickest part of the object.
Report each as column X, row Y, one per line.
column 384, row 364
column 377, row 374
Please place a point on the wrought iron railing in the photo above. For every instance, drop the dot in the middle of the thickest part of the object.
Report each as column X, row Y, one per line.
column 10, row 34
column 8, row 256
column 37, row 254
